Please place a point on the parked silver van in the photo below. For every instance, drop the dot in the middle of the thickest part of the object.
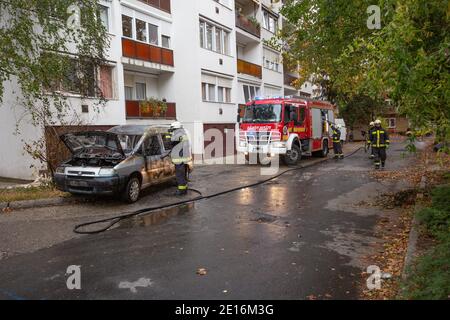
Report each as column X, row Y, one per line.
column 123, row 160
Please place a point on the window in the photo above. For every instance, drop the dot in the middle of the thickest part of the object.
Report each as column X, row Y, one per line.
column 250, row 92
column 209, row 30
column 103, row 13
column 271, row 60
column 224, row 94
column 165, row 41
column 211, row 92
column 220, row 94
column 214, row 38
column 270, row 21
column 128, row 93
column 218, row 40
column 202, row 34
column 105, row 82
column 141, row 30
column 127, row 26
column 204, row 90
column 392, row 123
column 141, row 91
column 152, row 147
column 153, row 30
column 228, row 95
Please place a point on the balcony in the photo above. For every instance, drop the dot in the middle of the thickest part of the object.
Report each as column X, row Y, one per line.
column 249, row 68
column 163, row 5
column 134, row 111
column 146, row 52
column 244, row 23
column 289, row 79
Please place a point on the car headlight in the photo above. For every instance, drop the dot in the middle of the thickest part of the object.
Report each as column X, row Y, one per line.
column 107, row 172
column 60, row 170
column 279, row 144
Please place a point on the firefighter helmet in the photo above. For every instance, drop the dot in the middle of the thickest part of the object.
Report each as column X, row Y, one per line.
column 371, row 123
column 377, row 122
column 175, row 125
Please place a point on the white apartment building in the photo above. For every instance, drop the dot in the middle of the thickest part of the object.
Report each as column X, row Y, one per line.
column 205, row 58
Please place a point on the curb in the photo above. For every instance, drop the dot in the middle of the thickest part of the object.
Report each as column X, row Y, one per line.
column 27, row 204
column 413, row 236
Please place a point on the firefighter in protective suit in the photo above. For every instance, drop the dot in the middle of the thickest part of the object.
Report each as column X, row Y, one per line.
column 371, row 127
column 337, row 146
column 180, row 155
column 379, row 140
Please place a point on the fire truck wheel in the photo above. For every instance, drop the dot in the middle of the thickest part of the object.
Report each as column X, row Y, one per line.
column 293, row 156
column 325, row 149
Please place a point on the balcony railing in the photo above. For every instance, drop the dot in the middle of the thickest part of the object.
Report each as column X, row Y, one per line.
column 249, row 68
column 142, row 51
column 242, row 22
column 134, row 110
column 289, row 79
column 160, row 4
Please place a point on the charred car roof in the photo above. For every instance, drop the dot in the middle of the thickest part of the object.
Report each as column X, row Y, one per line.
column 138, row 130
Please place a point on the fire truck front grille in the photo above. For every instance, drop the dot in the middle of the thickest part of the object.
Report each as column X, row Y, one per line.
column 258, row 138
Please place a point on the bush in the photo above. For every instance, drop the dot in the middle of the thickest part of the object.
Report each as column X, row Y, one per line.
column 429, row 278
column 436, row 219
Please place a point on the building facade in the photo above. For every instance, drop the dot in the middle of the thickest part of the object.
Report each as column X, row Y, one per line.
column 204, row 58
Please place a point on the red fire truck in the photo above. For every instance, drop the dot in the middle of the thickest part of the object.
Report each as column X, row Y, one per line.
column 291, row 127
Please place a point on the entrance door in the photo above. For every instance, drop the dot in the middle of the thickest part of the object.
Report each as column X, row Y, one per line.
column 219, row 140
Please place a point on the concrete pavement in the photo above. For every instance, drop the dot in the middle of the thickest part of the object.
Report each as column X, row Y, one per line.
column 298, row 236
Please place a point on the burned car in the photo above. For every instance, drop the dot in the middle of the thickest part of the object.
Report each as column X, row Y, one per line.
column 123, row 160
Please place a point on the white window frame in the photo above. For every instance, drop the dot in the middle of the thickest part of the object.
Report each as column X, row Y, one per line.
column 108, row 17
column 389, row 123
column 132, row 27
column 224, row 38
column 267, row 17
column 136, row 92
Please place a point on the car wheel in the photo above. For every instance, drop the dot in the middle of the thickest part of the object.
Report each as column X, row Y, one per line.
column 293, row 156
column 132, row 190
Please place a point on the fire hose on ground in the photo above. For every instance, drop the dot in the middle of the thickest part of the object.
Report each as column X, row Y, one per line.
column 116, row 219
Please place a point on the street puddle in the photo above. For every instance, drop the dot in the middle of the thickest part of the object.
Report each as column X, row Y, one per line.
column 156, row 217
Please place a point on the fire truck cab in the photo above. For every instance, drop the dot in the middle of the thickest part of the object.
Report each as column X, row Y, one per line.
column 290, row 127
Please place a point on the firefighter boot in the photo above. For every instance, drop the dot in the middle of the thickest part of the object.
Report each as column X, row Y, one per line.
column 377, row 165
column 181, row 192
column 341, row 156
column 382, row 165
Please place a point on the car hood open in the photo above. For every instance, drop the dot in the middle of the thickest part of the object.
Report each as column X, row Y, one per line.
column 80, row 142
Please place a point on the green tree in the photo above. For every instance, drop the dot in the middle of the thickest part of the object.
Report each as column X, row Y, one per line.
column 407, row 60
column 47, row 44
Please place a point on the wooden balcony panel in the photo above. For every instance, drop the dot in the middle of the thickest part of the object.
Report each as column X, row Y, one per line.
column 249, row 68
column 146, row 52
column 155, row 54
column 129, row 48
column 142, row 51
column 167, row 57
column 160, row 4
column 133, row 110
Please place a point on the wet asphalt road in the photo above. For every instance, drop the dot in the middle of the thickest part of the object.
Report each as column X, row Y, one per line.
column 295, row 237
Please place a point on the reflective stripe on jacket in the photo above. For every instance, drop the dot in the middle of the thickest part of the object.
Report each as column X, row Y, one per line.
column 181, row 151
column 336, row 135
column 379, row 138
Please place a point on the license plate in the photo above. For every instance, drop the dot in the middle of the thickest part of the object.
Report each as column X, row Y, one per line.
column 76, row 183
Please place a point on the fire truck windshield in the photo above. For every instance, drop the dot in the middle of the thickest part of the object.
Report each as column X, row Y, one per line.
column 261, row 113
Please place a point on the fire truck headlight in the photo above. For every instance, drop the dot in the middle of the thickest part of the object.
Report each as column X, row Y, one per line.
column 279, row 144
column 242, row 144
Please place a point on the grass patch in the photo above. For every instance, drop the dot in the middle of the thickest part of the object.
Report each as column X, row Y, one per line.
column 429, row 277
column 33, row 193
